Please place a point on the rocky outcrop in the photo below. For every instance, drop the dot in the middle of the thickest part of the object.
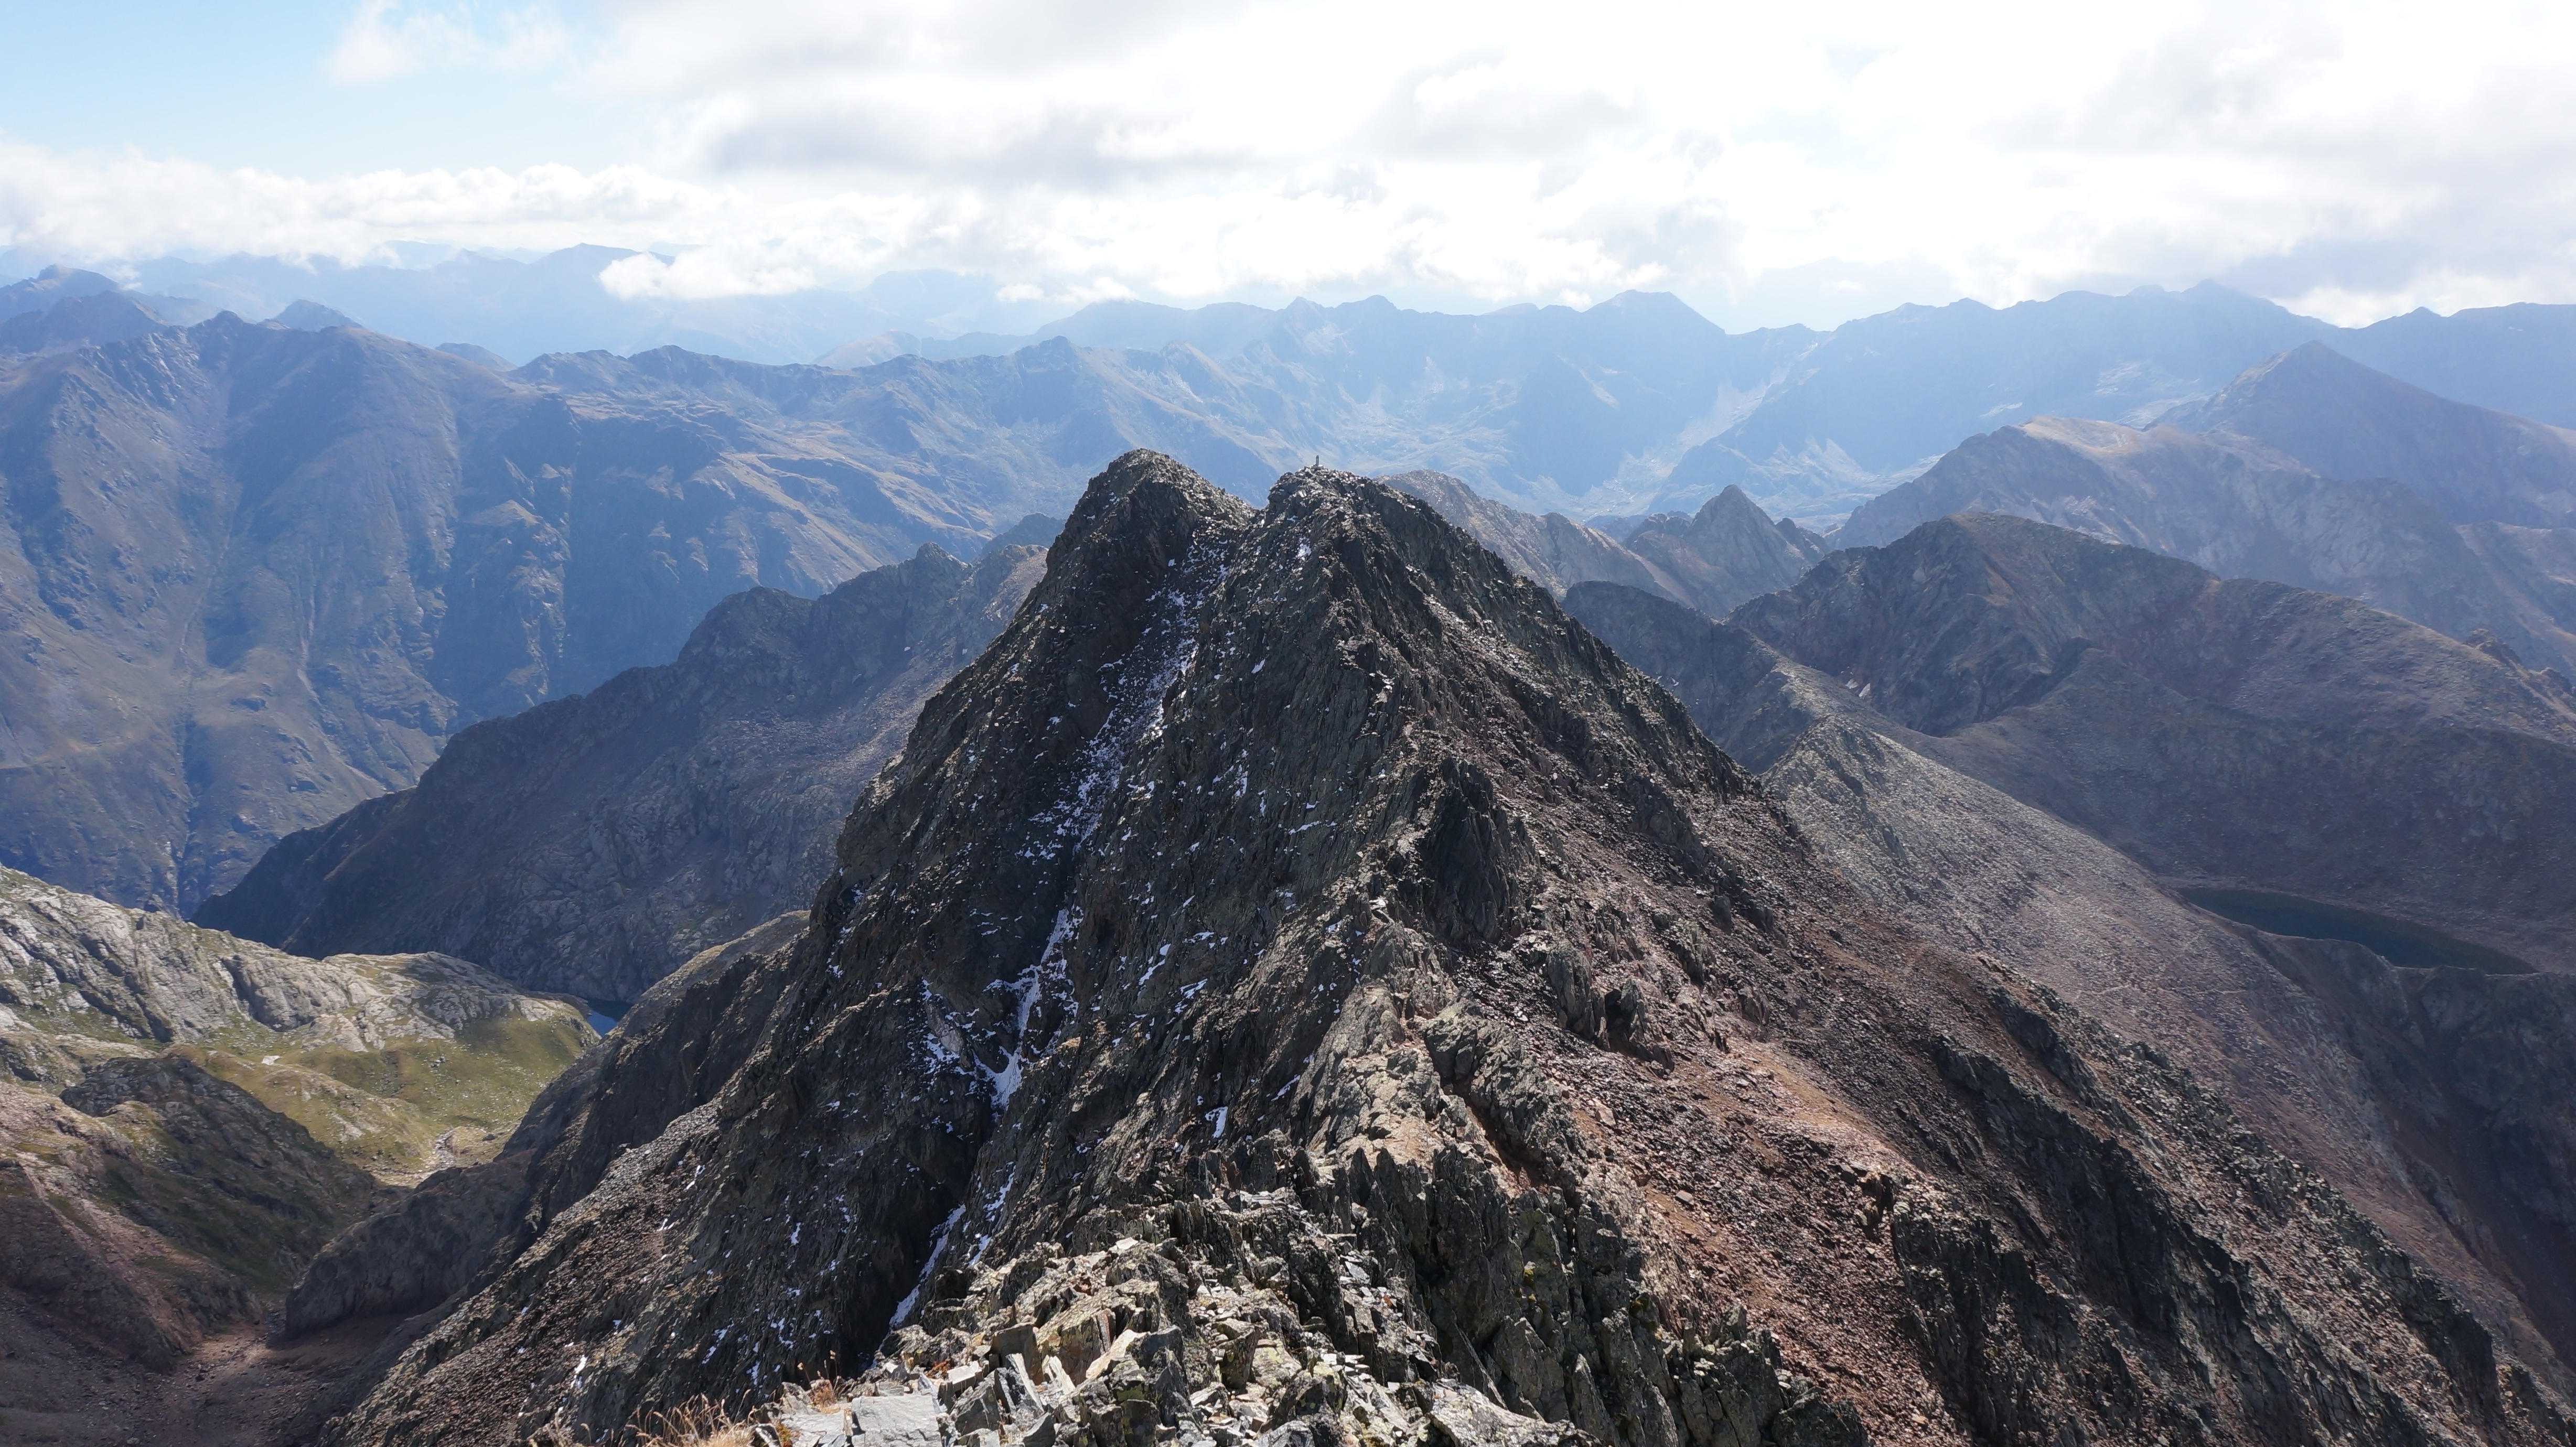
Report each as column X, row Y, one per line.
column 1299, row 982
column 398, row 1063
column 186, row 1118
column 595, row 843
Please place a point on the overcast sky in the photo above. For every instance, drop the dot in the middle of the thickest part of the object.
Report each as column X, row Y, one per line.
column 1770, row 163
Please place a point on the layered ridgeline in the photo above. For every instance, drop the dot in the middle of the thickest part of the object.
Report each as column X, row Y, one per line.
column 2309, row 469
column 61, row 308
column 595, row 843
column 2434, row 1095
column 258, row 575
column 1298, row 981
column 1548, row 407
column 186, row 1117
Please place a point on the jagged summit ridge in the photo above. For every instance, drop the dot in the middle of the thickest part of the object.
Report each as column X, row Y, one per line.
column 1297, row 980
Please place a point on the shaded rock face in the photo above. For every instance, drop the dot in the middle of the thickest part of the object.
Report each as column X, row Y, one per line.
column 2317, row 1045
column 261, row 574
column 595, row 843
column 2476, row 1070
column 1298, row 981
column 2236, row 733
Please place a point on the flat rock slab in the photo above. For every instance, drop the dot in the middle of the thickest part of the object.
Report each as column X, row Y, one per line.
column 908, row 1421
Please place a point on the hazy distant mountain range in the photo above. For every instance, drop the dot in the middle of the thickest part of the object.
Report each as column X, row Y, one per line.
column 555, row 303
column 1636, row 405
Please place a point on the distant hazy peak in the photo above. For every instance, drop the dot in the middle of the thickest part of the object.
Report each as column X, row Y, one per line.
column 1037, row 530
column 54, row 284
column 1968, row 616
column 479, row 356
column 1728, row 551
column 1553, row 551
column 313, row 316
column 2345, row 420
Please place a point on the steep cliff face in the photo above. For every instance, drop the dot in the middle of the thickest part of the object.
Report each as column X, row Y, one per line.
column 594, row 843
column 1298, row 981
column 2235, row 734
column 2318, row 1045
column 188, row 1117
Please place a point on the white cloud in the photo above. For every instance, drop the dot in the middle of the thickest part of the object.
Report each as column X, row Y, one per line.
column 2350, row 159
column 387, row 38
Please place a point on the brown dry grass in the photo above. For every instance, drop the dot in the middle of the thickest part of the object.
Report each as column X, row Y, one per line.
column 698, row 1423
column 702, row 1423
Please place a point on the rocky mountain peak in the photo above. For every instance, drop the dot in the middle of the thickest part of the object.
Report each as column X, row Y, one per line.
column 1728, row 551
column 2349, row 422
column 1298, row 981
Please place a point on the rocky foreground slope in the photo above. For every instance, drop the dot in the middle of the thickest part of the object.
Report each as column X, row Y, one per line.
column 186, row 1118
column 595, row 843
column 1298, row 982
